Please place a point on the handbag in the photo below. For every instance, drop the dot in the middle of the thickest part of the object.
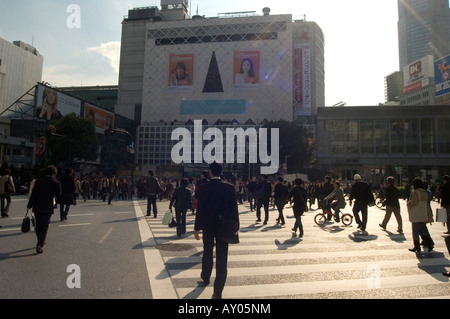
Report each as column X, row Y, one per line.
column 228, row 230
column 26, row 224
column 167, row 219
column 441, row 215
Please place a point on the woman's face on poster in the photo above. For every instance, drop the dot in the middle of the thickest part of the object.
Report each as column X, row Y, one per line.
column 51, row 97
column 246, row 66
column 180, row 73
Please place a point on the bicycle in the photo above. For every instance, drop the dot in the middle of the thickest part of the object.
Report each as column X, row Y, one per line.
column 380, row 202
column 321, row 218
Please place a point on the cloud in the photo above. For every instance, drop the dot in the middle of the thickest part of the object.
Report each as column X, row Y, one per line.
column 111, row 51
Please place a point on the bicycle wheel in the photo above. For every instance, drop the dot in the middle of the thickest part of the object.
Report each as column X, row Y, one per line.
column 379, row 203
column 347, row 219
column 320, row 219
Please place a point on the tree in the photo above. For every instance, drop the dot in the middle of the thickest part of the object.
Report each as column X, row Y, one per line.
column 296, row 145
column 72, row 138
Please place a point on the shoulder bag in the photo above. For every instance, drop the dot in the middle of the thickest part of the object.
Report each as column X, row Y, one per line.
column 418, row 213
column 26, row 224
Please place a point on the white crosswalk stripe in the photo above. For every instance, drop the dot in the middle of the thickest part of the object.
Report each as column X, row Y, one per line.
column 327, row 262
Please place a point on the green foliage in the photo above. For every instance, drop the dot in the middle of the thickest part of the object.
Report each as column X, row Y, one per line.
column 74, row 139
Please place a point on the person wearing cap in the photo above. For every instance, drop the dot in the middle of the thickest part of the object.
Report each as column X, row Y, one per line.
column 360, row 192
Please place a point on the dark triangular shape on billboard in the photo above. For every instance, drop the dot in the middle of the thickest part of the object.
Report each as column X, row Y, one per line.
column 213, row 83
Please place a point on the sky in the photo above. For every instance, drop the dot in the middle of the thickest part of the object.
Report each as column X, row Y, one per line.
column 80, row 39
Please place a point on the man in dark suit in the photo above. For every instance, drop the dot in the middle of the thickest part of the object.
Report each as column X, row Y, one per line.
column 265, row 189
column 45, row 189
column 215, row 198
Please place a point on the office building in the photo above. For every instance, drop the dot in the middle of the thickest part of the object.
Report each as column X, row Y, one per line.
column 239, row 68
column 20, row 69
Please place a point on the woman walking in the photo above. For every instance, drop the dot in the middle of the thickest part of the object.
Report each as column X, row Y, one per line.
column 419, row 215
column 45, row 189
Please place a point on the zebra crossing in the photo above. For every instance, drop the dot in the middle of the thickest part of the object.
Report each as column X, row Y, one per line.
column 330, row 262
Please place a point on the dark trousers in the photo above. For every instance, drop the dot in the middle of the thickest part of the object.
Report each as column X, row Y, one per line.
column 360, row 206
column 5, row 209
column 259, row 204
column 280, row 207
column 42, row 223
column 180, row 216
column 63, row 211
column 151, row 201
column 421, row 230
column 221, row 261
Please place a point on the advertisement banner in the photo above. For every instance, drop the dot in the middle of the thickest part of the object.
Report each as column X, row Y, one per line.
column 247, row 69
column 52, row 104
column 302, row 80
column 442, row 76
column 418, row 71
column 181, row 72
column 104, row 120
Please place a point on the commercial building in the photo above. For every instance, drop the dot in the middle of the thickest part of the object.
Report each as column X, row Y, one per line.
column 234, row 69
column 20, row 69
column 403, row 141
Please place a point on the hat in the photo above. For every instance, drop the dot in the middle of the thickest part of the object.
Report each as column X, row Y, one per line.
column 356, row 177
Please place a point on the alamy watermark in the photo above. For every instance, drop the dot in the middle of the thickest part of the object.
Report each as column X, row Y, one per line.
column 229, row 151
column 74, row 19
column 74, row 279
column 374, row 278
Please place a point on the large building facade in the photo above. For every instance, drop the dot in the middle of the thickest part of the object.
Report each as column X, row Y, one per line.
column 403, row 141
column 21, row 68
column 423, row 29
column 235, row 69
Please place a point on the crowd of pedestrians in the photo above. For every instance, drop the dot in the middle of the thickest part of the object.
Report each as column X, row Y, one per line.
column 51, row 189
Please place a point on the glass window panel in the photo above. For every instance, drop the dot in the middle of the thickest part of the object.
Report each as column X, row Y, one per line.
column 352, row 137
column 381, row 135
column 397, row 134
column 412, row 136
column 367, row 134
column 444, row 136
column 427, row 135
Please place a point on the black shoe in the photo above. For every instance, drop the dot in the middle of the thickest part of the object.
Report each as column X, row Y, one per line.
column 384, row 228
column 39, row 249
column 446, row 273
column 216, row 296
column 415, row 249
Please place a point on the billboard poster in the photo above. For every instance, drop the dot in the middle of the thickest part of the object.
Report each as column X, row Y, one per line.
column 416, row 72
column 104, row 120
column 302, row 80
column 247, row 69
column 52, row 104
column 442, row 76
column 181, row 72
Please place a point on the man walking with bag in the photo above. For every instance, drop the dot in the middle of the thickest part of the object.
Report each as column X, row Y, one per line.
column 445, row 198
column 216, row 200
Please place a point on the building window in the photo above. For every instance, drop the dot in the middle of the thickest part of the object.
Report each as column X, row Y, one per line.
column 381, row 133
column 397, row 134
column 427, row 136
column 443, row 136
column 352, row 137
column 367, row 136
column 412, row 136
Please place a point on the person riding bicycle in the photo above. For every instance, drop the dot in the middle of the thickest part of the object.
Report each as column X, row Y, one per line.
column 338, row 194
